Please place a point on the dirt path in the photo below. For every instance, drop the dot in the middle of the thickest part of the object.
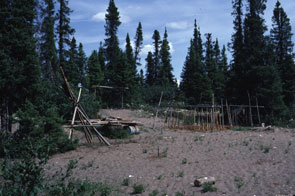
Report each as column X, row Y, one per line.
column 244, row 163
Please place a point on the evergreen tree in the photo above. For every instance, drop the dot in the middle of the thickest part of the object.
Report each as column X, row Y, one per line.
column 195, row 84
column 20, row 71
column 197, row 40
column 82, row 65
column 114, row 56
column 281, row 36
column 259, row 70
column 94, row 72
column 237, row 45
column 48, row 56
column 64, row 31
column 112, row 43
column 220, row 66
column 101, row 57
column 209, row 60
column 156, row 55
column 71, row 66
column 138, row 43
column 150, row 69
column 165, row 75
column 131, row 79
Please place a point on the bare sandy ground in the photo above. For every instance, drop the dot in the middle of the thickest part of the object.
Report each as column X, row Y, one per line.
column 243, row 162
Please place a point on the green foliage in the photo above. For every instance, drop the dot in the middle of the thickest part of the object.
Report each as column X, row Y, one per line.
column 281, row 36
column 138, row 43
column 23, row 177
column 154, row 193
column 179, row 194
column 125, row 182
column 265, row 149
column 165, row 71
column 184, row 161
column 242, row 128
column 239, row 182
column 208, row 187
column 114, row 132
column 138, row 189
column 180, row 174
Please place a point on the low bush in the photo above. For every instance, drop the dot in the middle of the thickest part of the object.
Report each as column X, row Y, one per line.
column 114, row 132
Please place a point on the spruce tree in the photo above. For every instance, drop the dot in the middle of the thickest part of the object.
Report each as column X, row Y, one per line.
column 111, row 42
column 237, row 46
column 94, row 72
column 209, row 60
column 219, row 83
column 259, row 70
column 64, row 31
column 71, row 65
column 48, row 53
column 195, row 84
column 197, row 40
column 150, row 70
column 82, row 65
column 101, row 56
column 130, row 72
column 138, row 43
column 156, row 54
column 166, row 76
column 20, row 71
column 114, row 56
column 281, row 36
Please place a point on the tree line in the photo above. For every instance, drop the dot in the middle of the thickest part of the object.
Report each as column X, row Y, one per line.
column 37, row 39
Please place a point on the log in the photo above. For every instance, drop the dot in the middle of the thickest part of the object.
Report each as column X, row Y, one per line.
column 200, row 181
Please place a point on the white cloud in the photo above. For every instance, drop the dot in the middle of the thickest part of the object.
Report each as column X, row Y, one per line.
column 178, row 25
column 146, row 49
column 171, row 47
column 100, row 17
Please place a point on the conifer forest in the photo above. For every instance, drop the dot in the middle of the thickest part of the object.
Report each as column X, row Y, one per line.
column 228, row 116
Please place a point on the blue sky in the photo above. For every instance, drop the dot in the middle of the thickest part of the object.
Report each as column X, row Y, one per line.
column 213, row 16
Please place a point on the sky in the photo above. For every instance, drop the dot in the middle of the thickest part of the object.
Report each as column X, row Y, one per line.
column 213, row 16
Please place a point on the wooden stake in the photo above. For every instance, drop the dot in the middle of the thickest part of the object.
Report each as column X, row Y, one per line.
column 212, row 113
column 74, row 115
column 250, row 109
column 157, row 110
column 222, row 113
column 258, row 111
column 228, row 114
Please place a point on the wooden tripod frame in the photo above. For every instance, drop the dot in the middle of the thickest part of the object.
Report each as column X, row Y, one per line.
column 83, row 117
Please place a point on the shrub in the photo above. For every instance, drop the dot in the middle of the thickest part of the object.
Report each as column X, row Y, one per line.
column 125, row 182
column 138, row 189
column 114, row 132
column 208, row 187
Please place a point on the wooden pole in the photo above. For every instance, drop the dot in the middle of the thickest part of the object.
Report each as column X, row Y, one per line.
column 228, row 114
column 250, row 109
column 98, row 134
column 212, row 113
column 74, row 115
column 157, row 110
column 258, row 111
column 222, row 113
